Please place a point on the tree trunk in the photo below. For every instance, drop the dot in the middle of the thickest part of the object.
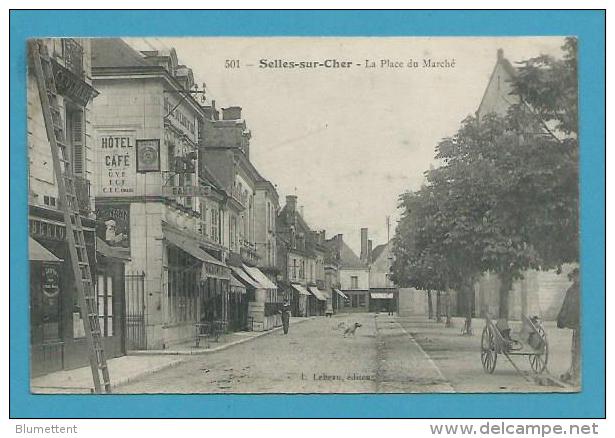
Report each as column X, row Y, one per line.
column 505, row 287
column 449, row 321
column 429, row 305
column 438, row 306
column 468, row 292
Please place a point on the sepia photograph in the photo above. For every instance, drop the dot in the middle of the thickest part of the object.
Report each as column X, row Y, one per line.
column 303, row 215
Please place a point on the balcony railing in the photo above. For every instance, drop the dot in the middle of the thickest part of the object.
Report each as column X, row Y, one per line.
column 72, row 53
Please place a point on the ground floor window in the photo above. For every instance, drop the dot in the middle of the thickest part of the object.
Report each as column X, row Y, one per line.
column 104, row 291
column 183, row 285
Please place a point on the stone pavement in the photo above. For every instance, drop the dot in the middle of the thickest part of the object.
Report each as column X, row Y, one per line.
column 315, row 357
column 138, row 364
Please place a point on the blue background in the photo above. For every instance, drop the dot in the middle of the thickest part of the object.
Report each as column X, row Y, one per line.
column 589, row 26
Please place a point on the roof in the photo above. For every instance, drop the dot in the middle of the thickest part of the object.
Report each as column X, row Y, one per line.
column 348, row 259
column 114, row 52
column 377, row 251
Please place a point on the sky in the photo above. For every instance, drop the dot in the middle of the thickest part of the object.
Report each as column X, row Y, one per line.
column 348, row 141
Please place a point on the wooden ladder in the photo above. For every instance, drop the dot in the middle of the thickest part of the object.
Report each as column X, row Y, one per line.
column 69, row 203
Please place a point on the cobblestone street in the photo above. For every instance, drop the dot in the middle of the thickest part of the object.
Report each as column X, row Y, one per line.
column 314, row 357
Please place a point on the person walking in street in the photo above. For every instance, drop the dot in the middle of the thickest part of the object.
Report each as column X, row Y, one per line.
column 285, row 316
column 568, row 317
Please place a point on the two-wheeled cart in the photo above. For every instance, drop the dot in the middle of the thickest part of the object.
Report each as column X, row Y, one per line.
column 495, row 341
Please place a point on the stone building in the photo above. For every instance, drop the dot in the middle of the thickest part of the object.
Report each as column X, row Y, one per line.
column 250, row 202
column 56, row 329
column 353, row 277
column 149, row 194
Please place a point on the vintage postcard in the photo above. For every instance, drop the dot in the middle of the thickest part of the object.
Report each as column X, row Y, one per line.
column 256, row 215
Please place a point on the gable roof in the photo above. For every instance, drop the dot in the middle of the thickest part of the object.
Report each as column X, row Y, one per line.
column 114, row 52
column 377, row 251
column 502, row 64
column 348, row 259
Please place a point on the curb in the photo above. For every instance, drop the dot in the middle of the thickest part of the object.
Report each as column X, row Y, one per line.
column 209, row 350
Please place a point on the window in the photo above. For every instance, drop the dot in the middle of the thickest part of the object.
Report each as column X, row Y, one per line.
column 294, row 271
column 302, row 269
column 362, row 300
column 104, row 290
column 214, row 224
column 354, row 282
column 354, row 300
column 75, row 138
column 182, row 286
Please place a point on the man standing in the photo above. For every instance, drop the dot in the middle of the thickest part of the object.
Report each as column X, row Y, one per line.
column 568, row 317
column 285, row 316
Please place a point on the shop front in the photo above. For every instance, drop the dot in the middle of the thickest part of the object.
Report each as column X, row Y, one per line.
column 299, row 302
column 318, row 301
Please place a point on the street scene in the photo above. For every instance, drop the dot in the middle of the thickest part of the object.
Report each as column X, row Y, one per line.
column 301, row 215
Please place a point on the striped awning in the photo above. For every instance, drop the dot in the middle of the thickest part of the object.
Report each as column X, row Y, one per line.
column 317, row 293
column 256, row 274
column 341, row 294
column 243, row 276
column 300, row 289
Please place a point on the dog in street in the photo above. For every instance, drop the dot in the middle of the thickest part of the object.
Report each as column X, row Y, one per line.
column 352, row 329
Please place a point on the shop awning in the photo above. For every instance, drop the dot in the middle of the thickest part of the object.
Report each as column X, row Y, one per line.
column 211, row 267
column 300, row 289
column 38, row 253
column 381, row 295
column 237, row 286
column 243, row 276
column 256, row 274
column 317, row 293
column 109, row 251
column 341, row 294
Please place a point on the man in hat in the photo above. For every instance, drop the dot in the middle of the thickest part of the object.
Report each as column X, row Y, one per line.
column 569, row 317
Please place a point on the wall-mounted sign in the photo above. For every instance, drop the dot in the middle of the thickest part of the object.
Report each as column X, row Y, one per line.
column 50, row 281
column 113, row 223
column 186, row 191
column 117, row 163
column 148, row 155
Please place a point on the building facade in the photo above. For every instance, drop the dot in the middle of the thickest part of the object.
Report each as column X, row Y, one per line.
column 57, row 332
column 225, row 147
column 149, row 194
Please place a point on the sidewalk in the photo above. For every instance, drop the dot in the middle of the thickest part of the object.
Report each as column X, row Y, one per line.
column 138, row 364
column 458, row 357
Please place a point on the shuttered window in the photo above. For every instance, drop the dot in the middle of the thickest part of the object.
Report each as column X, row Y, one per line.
column 75, row 130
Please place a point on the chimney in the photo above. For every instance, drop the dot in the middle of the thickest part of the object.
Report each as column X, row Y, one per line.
column 322, row 236
column 363, row 256
column 369, row 250
column 291, row 203
column 231, row 113
column 301, row 210
column 500, row 54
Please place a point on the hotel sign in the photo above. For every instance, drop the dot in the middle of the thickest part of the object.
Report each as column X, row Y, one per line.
column 118, row 164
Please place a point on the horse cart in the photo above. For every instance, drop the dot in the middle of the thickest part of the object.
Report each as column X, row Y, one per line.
column 497, row 340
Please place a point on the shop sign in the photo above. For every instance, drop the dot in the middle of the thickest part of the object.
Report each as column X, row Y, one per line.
column 186, row 191
column 50, row 280
column 211, row 270
column 148, row 155
column 113, row 223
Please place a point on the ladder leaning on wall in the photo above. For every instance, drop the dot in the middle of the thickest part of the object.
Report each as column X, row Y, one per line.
column 54, row 125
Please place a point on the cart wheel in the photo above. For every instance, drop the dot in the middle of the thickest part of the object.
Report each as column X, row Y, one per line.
column 488, row 353
column 538, row 362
